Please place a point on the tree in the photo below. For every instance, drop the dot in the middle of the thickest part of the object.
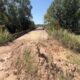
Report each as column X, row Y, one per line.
column 66, row 13
column 15, row 14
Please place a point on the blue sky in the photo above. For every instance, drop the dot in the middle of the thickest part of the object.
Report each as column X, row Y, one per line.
column 39, row 9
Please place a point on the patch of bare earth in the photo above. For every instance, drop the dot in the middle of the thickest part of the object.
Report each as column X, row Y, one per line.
column 35, row 57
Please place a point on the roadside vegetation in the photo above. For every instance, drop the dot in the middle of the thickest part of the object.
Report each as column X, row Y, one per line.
column 15, row 16
column 68, row 39
column 63, row 22
column 5, row 37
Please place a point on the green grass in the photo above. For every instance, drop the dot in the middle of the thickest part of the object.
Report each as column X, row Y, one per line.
column 68, row 39
column 5, row 37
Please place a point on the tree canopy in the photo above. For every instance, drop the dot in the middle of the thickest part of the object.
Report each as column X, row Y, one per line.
column 65, row 13
column 15, row 14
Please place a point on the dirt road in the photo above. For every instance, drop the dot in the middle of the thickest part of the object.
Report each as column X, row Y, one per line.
column 6, row 52
column 36, row 35
column 53, row 61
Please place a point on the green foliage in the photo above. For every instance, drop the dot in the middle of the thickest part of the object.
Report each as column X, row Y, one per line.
column 65, row 13
column 70, row 40
column 5, row 37
column 32, row 25
column 15, row 14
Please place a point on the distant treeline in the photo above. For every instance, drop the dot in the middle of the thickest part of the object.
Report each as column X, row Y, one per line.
column 40, row 25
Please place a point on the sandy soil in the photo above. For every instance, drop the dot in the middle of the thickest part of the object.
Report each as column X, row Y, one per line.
column 6, row 52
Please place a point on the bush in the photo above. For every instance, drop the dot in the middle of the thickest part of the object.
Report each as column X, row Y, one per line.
column 5, row 37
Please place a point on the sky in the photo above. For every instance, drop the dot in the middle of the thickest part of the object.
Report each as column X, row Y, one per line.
column 39, row 9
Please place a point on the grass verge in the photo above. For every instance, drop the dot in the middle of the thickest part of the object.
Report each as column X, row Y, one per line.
column 70, row 40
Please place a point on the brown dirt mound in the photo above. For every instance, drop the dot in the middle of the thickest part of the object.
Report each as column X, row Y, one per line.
column 45, row 61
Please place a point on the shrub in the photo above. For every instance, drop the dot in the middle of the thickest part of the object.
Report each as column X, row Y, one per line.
column 5, row 37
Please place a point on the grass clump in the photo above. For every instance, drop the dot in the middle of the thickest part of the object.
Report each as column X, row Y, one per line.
column 29, row 62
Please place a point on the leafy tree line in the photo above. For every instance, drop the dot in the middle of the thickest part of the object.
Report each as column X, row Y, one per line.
column 16, row 15
column 64, row 14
